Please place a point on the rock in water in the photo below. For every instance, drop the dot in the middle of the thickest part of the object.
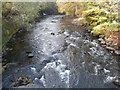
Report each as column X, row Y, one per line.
column 101, row 40
column 53, row 21
column 110, row 48
column 116, row 81
column 30, row 55
column 117, row 52
column 52, row 33
column 28, row 51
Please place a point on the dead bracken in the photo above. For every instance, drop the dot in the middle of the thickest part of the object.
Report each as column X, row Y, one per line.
column 21, row 81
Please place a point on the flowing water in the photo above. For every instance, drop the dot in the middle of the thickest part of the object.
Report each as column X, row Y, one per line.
column 65, row 56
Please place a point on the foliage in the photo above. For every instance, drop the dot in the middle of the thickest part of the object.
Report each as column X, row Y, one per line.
column 18, row 15
column 101, row 16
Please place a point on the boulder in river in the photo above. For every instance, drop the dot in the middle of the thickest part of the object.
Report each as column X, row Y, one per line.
column 116, row 81
column 117, row 52
column 30, row 55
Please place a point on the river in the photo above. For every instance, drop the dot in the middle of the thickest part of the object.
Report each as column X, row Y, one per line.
column 64, row 55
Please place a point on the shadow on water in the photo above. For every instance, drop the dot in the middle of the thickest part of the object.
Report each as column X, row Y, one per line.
column 63, row 55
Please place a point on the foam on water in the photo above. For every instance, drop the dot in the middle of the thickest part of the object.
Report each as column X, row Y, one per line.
column 33, row 69
column 74, row 45
column 42, row 79
column 96, row 69
column 60, row 68
column 106, row 71
column 94, row 51
column 95, row 43
column 109, row 79
column 75, row 38
column 66, row 33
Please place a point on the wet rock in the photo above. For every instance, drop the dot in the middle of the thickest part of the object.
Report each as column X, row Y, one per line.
column 22, row 41
column 116, row 81
column 103, row 45
column 5, row 66
column 53, row 21
column 46, row 61
column 52, row 33
column 61, row 32
column 89, row 30
column 117, row 52
column 10, row 49
column 30, row 55
column 110, row 48
column 112, row 51
column 102, row 41
column 8, row 65
column 21, row 81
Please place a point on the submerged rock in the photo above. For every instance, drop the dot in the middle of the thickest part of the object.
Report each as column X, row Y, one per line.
column 28, row 51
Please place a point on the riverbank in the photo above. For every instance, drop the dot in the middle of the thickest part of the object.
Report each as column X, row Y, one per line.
column 111, row 41
column 22, row 15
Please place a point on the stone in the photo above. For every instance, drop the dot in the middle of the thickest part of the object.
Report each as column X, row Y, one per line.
column 116, row 81
column 89, row 30
column 52, row 33
column 53, row 21
column 103, row 45
column 28, row 51
column 117, row 52
column 30, row 55
column 110, row 48
column 101, row 40
column 112, row 51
